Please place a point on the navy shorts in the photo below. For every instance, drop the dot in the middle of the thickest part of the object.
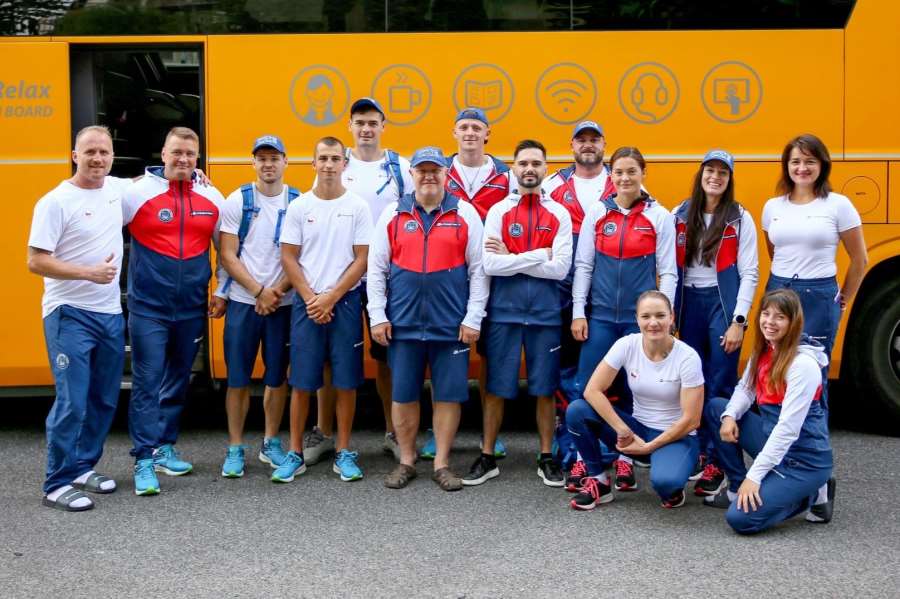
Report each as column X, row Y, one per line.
column 244, row 331
column 447, row 360
column 504, row 355
column 340, row 342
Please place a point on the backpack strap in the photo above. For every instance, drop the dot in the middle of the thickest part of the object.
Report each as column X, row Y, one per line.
column 292, row 195
column 392, row 166
column 248, row 211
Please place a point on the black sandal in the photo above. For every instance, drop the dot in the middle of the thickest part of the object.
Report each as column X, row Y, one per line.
column 64, row 502
column 93, row 484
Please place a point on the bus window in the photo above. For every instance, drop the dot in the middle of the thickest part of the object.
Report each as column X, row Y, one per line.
column 139, row 93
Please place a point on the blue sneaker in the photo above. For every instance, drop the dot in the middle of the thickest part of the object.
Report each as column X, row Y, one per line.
column 165, row 460
column 145, row 481
column 345, row 465
column 499, row 448
column 234, row 462
column 292, row 466
column 271, row 452
column 429, row 450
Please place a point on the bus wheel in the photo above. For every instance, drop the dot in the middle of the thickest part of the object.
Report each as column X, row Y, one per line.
column 874, row 355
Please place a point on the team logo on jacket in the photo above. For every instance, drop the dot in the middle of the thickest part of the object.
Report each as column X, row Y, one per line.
column 609, row 229
column 411, row 226
column 567, row 197
column 453, row 185
column 515, row 230
column 681, row 241
column 165, row 215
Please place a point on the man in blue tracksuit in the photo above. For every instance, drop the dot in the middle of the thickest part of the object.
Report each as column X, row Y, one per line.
column 172, row 220
column 527, row 251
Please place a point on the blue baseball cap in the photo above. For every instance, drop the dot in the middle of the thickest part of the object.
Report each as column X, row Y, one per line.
column 428, row 154
column 586, row 126
column 472, row 113
column 364, row 104
column 268, row 141
column 721, row 156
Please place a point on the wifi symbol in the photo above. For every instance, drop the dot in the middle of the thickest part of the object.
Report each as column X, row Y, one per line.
column 565, row 92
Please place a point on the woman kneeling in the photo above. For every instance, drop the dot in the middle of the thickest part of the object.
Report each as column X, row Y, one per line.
column 788, row 437
column 666, row 379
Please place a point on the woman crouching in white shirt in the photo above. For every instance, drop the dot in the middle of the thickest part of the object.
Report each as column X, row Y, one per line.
column 788, row 434
column 666, row 379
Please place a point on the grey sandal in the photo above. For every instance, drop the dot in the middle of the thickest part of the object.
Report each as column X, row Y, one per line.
column 92, row 484
column 64, row 501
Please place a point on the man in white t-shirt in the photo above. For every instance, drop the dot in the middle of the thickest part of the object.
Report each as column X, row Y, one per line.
column 260, row 296
column 324, row 248
column 380, row 177
column 76, row 245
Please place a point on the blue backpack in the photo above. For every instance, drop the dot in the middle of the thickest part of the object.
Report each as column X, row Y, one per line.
column 249, row 210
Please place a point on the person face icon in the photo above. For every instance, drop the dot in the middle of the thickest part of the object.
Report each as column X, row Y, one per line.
column 319, row 94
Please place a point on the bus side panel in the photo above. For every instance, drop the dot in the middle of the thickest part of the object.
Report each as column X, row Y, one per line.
column 668, row 92
column 34, row 157
column 873, row 83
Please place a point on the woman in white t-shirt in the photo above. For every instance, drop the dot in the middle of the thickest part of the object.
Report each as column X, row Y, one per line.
column 804, row 227
column 666, row 380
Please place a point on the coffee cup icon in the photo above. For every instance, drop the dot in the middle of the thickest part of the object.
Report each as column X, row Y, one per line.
column 403, row 98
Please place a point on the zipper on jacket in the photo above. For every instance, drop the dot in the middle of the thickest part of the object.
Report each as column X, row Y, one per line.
column 180, row 251
column 619, row 264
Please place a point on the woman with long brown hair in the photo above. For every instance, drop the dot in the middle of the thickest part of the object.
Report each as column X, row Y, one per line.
column 718, row 269
column 787, row 435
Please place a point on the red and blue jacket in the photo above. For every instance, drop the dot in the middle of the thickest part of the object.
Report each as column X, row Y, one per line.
column 737, row 262
column 495, row 188
column 171, row 224
column 524, row 282
column 562, row 189
column 424, row 273
column 623, row 257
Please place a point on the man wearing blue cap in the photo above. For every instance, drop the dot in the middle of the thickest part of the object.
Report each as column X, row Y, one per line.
column 260, row 296
column 481, row 180
column 427, row 294
column 379, row 176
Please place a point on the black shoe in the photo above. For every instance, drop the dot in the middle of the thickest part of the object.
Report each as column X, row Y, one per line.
column 719, row 500
column 484, row 469
column 822, row 513
column 550, row 473
column 625, row 480
column 591, row 494
column 712, row 480
column 676, row 500
column 575, row 476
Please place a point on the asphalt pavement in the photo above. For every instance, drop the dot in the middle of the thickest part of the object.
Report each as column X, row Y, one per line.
column 206, row 536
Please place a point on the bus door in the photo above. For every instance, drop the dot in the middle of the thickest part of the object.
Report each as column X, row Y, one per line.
column 138, row 91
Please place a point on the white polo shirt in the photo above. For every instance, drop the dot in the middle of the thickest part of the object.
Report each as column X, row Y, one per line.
column 261, row 253
column 83, row 227
column 326, row 231
column 374, row 182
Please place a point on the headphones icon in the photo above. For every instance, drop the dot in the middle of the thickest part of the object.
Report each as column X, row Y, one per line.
column 660, row 95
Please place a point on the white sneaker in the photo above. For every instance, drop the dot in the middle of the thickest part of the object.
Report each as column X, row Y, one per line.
column 316, row 445
column 390, row 446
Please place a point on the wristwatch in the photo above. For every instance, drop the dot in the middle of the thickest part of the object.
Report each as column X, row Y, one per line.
column 740, row 319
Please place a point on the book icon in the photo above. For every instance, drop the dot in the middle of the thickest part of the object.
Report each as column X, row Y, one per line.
column 486, row 95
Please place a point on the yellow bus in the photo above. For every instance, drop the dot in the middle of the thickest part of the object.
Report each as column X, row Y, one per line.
column 672, row 81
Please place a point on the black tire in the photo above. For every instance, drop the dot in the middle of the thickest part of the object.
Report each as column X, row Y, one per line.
column 873, row 348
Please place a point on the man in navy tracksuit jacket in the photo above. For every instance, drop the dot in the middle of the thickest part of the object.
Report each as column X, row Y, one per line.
column 171, row 219
column 527, row 251
column 427, row 292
